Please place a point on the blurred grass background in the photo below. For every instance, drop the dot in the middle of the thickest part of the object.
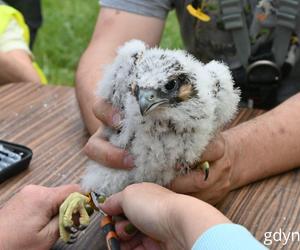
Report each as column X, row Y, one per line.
column 66, row 31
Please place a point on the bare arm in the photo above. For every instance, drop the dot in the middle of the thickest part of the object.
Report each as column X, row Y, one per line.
column 113, row 28
column 16, row 66
column 267, row 145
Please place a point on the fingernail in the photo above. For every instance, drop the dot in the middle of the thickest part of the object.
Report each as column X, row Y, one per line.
column 130, row 229
column 128, row 161
column 116, row 120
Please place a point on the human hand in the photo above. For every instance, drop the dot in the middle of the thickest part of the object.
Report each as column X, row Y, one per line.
column 220, row 154
column 98, row 148
column 164, row 218
column 29, row 220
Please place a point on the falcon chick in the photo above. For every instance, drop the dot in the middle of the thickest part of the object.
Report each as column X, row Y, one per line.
column 171, row 104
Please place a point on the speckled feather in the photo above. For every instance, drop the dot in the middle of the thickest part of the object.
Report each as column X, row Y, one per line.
column 171, row 134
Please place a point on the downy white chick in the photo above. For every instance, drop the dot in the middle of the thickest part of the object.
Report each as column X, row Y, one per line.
column 171, row 104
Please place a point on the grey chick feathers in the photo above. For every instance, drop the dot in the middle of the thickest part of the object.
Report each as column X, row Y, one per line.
column 171, row 104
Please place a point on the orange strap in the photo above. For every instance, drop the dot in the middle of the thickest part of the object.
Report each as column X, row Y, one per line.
column 105, row 220
column 111, row 235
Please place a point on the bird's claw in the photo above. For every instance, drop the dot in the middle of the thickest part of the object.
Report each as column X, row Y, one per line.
column 75, row 205
column 205, row 167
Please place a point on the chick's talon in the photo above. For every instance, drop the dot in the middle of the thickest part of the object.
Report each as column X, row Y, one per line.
column 75, row 203
column 205, row 168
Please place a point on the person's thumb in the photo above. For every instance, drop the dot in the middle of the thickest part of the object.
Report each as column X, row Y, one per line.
column 214, row 150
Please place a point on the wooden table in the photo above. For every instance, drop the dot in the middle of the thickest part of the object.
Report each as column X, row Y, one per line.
column 47, row 119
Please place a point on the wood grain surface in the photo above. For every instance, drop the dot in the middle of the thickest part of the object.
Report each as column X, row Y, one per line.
column 47, row 119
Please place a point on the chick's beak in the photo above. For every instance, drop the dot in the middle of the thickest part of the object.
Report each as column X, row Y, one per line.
column 149, row 100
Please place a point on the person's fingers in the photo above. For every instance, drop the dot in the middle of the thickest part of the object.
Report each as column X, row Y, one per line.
column 132, row 243
column 141, row 242
column 192, row 182
column 125, row 230
column 214, row 150
column 62, row 192
column 51, row 231
column 105, row 153
column 56, row 196
column 105, row 112
column 195, row 181
column 113, row 204
column 151, row 244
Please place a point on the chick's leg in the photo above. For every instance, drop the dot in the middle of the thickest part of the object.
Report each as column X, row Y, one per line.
column 76, row 203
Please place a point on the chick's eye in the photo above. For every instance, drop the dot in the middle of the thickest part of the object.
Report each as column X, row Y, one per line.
column 171, row 85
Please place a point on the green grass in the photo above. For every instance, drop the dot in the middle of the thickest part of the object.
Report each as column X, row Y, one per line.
column 171, row 38
column 66, row 31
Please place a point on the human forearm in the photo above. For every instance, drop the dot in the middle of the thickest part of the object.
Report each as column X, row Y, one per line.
column 266, row 145
column 89, row 73
column 87, row 76
column 111, row 31
column 16, row 66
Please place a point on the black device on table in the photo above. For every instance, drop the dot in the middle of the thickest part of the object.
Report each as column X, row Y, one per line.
column 13, row 159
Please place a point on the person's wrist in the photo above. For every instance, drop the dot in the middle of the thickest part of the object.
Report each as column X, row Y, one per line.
column 191, row 218
column 230, row 157
column 234, row 140
column 176, row 215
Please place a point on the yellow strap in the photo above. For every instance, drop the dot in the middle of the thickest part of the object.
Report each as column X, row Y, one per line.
column 198, row 13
